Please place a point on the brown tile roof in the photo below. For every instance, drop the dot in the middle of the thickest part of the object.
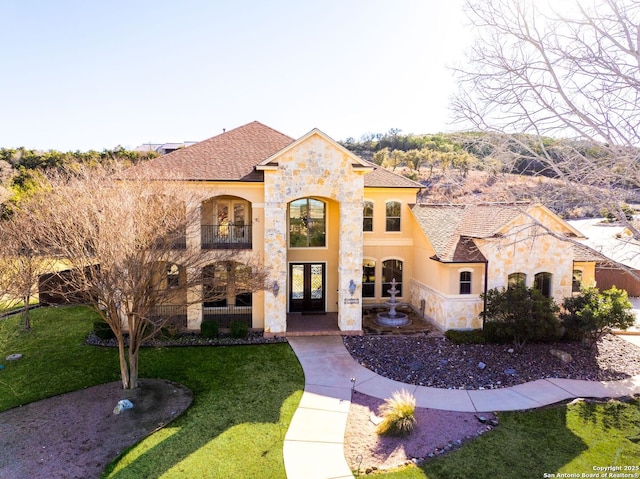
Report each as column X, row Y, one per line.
column 451, row 228
column 230, row 156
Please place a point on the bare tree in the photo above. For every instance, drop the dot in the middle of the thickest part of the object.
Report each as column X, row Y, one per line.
column 129, row 245
column 572, row 74
column 22, row 260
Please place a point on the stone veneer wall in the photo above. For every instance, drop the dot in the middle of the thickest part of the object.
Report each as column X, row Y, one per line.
column 314, row 167
column 447, row 312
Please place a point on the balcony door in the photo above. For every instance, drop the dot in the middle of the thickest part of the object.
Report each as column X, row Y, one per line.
column 306, row 287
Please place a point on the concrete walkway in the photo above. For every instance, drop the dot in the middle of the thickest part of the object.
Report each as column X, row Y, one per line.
column 313, row 445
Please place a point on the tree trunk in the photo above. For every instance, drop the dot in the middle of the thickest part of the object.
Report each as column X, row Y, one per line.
column 133, row 367
column 124, row 369
column 25, row 313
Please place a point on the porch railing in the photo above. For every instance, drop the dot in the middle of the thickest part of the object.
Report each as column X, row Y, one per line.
column 226, row 236
column 225, row 315
column 173, row 314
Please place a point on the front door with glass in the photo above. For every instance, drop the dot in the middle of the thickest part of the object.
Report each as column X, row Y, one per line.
column 306, row 287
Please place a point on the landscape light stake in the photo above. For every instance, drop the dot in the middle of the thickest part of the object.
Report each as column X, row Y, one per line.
column 359, row 459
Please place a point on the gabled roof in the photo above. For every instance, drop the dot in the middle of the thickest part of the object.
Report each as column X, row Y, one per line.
column 230, row 156
column 451, row 228
column 356, row 161
column 240, row 155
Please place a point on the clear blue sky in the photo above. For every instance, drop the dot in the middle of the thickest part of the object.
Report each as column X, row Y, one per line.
column 90, row 74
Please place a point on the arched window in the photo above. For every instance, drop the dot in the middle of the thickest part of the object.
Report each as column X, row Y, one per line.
column 368, row 278
column 542, row 282
column 391, row 269
column 465, row 282
column 307, row 223
column 576, row 282
column 393, row 215
column 367, row 216
column 516, row 280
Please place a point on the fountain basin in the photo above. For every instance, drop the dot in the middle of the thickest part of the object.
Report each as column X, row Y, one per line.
column 396, row 320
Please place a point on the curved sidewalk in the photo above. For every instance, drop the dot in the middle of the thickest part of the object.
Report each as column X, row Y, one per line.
column 314, row 443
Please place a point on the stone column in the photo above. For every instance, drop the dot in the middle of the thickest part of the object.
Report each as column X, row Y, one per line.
column 350, row 266
column 194, row 241
column 275, row 260
column 194, row 296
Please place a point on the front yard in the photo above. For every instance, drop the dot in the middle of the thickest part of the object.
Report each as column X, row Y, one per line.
column 245, row 396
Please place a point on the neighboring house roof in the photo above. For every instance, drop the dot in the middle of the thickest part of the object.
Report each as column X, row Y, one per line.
column 240, row 155
column 610, row 242
column 451, row 229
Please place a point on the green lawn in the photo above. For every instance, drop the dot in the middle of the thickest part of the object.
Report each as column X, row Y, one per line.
column 244, row 396
column 572, row 439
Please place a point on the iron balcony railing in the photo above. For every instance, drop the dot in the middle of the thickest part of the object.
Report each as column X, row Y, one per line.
column 226, row 236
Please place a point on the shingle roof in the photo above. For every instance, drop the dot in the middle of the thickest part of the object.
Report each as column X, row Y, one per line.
column 585, row 253
column 233, row 156
column 382, row 178
column 230, row 156
column 451, row 228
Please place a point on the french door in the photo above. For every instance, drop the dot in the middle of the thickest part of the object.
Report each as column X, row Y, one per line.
column 306, row 287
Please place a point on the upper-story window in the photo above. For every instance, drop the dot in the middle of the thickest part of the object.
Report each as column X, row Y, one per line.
column 367, row 216
column 465, row 282
column 393, row 215
column 173, row 276
column 307, row 223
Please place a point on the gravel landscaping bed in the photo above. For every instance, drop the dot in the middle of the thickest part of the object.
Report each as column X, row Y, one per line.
column 437, row 362
column 193, row 339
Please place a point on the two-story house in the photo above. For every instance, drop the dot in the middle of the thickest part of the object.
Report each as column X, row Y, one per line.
column 334, row 230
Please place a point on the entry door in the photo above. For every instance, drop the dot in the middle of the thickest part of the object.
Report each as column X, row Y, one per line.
column 306, row 287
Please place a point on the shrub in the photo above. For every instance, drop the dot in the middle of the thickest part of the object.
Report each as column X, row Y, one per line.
column 102, row 330
column 521, row 314
column 209, row 329
column 398, row 414
column 590, row 315
column 469, row 336
column 239, row 329
column 169, row 331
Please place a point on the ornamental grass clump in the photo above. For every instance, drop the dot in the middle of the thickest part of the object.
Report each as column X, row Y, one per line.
column 398, row 414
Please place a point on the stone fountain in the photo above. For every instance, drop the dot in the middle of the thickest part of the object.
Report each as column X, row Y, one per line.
column 392, row 317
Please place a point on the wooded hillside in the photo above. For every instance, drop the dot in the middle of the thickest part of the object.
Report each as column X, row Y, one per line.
column 476, row 167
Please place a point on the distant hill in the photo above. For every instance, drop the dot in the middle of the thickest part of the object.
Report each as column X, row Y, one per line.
column 467, row 168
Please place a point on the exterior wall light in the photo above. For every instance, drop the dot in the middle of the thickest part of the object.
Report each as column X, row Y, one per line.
column 352, row 287
column 276, row 288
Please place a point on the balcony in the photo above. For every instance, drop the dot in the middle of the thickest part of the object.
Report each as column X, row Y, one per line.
column 226, row 236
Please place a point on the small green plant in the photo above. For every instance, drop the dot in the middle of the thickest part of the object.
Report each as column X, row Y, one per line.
column 239, row 329
column 398, row 414
column 467, row 336
column 209, row 329
column 102, row 330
